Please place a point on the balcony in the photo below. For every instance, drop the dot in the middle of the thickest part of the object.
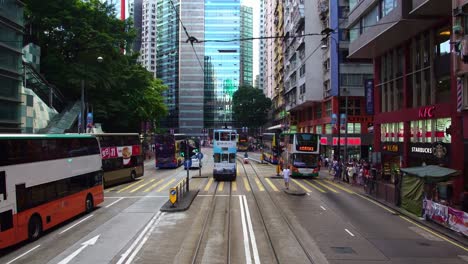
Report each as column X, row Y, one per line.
column 430, row 8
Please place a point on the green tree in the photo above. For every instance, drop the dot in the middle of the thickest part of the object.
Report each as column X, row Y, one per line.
column 250, row 107
column 72, row 34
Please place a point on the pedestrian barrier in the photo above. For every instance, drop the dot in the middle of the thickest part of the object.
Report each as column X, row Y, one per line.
column 178, row 192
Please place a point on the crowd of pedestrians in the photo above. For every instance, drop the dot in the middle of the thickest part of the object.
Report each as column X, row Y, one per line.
column 353, row 172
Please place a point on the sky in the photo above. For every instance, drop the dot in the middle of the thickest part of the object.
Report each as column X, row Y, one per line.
column 255, row 4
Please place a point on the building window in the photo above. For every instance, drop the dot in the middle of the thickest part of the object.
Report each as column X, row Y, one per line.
column 328, row 108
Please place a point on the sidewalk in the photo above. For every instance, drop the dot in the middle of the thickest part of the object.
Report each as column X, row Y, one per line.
column 428, row 224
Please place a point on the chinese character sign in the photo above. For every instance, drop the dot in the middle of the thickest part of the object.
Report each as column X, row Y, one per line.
column 369, row 91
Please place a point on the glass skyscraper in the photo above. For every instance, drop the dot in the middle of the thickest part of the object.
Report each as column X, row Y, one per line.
column 246, row 74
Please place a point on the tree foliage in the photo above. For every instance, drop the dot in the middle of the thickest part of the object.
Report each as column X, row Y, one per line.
column 250, row 107
column 72, row 34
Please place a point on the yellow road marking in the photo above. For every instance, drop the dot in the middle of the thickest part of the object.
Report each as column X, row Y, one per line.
column 234, row 186
column 432, row 232
column 302, row 186
column 271, row 185
column 154, row 185
column 376, row 203
column 259, row 184
column 329, row 188
column 130, row 186
column 246, row 183
column 340, row 187
column 207, row 187
column 221, row 186
column 165, row 185
column 141, row 186
column 316, row 187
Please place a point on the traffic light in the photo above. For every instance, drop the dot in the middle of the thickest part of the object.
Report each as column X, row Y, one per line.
column 183, row 146
column 370, row 148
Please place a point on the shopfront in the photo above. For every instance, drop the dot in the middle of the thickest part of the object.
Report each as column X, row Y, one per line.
column 421, row 154
column 392, row 156
column 355, row 146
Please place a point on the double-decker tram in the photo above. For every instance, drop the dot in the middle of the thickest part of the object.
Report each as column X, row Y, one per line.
column 122, row 157
column 168, row 150
column 224, row 154
column 302, row 153
column 46, row 180
column 243, row 142
column 271, row 147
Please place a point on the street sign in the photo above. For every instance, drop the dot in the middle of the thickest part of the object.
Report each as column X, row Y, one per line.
column 200, row 155
column 188, row 163
column 173, row 195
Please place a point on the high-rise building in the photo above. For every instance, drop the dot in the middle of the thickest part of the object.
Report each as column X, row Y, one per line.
column 148, row 35
column 135, row 11
column 279, row 112
column 347, row 76
column 12, row 21
column 246, row 28
column 267, row 73
column 261, row 58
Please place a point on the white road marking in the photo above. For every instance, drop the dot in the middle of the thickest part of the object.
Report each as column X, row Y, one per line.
column 351, row 234
column 251, row 232
column 22, row 255
column 143, row 241
column 209, row 195
column 90, row 242
column 323, row 208
column 79, row 222
column 134, row 244
column 248, row 258
column 149, row 196
column 114, row 202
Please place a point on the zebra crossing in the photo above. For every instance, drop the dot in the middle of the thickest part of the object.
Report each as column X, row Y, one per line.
column 241, row 185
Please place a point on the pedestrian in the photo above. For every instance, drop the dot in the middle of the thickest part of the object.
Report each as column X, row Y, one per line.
column 286, row 175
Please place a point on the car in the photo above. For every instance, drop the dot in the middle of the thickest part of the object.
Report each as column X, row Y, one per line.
column 196, row 163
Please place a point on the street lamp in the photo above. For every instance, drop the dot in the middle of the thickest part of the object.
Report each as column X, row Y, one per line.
column 327, row 32
column 82, row 129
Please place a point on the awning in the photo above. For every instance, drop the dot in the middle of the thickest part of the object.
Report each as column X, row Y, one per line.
column 432, row 173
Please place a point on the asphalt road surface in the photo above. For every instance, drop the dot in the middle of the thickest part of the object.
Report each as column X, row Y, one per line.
column 250, row 220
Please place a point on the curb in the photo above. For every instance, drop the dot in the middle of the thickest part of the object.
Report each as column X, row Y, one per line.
column 295, row 193
column 182, row 205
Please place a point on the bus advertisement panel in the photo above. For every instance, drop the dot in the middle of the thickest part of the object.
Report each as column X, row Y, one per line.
column 271, row 147
column 302, row 153
column 44, row 181
column 168, row 150
column 122, row 157
column 224, row 154
column 243, row 142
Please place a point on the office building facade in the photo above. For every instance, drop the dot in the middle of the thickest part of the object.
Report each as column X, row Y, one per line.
column 246, row 56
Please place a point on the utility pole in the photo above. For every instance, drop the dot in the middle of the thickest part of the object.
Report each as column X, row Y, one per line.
column 187, row 164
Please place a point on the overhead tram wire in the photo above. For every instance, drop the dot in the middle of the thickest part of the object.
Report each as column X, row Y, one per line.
column 190, row 38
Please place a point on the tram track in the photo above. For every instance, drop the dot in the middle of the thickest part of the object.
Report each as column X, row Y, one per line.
column 201, row 243
column 278, row 209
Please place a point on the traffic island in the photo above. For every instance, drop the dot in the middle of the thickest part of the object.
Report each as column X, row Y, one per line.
column 182, row 203
column 294, row 192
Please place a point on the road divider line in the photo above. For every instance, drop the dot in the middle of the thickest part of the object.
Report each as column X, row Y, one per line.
column 323, row 208
column 259, row 185
column 248, row 258
column 351, row 234
column 302, row 186
column 22, row 255
column 130, row 186
column 114, row 202
column 316, row 187
column 326, row 186
column 271, row 185
column 433, row 233
column 141, row 186
column 251, row 232
column 376, row 203
column 153, row 186
column 208, row 185
column 246, row 184
column 234, row 186
column 340, row 187
column 77, row 223
column 221, row 186
column 165, row 185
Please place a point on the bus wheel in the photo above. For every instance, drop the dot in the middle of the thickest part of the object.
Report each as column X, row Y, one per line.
column 34, row 227
column 133, row 175
column 89, row 204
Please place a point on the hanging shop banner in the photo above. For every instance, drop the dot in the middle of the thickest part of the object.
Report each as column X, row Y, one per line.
column 436, row 212
column 369, row 93
column 458, row 221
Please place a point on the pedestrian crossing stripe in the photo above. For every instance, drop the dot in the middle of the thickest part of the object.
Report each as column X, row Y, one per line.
column 165, row 185
column 326, row 186
column 316, row 187
column 234, row 186
column 271, row 185
column 340, row 187
column 302, row 186
column 246, row 183
column 259, row 184
column 153, row 186
column 141, row 186
column 221, row 186
column 130, row 186
column 207, row 187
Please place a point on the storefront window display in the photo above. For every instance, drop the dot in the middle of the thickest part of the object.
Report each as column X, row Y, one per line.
column 430, row 130
column 328, row 129
column 318, row 129
column 392, row 132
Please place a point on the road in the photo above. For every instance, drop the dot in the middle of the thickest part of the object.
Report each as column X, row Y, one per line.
column 250, row 220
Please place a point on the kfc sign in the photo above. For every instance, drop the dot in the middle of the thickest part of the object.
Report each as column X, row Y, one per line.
column 426, row 112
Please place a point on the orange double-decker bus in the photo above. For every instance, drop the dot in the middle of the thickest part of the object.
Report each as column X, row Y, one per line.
column 45, row 180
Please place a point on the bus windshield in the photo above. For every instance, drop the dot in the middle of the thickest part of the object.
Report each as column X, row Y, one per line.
column 304, row 160
column 307, row 139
